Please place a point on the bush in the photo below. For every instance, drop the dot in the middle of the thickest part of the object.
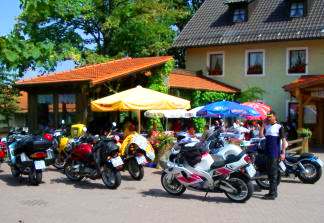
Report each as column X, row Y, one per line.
column 305, row 133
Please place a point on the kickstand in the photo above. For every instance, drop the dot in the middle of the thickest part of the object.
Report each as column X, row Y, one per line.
column 206, row 195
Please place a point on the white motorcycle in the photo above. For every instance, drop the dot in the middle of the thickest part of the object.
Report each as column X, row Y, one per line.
column 191, row 166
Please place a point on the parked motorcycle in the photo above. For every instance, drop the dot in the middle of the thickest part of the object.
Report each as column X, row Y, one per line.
column 29, row 155
column 191, row 166
column 3, row 151
column 307, row 167
column 94, row 159
column 136, row 150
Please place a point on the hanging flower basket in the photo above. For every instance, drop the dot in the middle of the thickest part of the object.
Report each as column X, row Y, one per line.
column 216, row 71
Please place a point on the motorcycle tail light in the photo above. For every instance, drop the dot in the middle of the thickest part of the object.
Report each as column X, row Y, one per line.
column 39, row 155
column 48, row 137
column 247, row 159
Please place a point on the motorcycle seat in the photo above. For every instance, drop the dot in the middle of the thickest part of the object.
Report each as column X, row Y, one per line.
column 217, row 164
column 292, row 159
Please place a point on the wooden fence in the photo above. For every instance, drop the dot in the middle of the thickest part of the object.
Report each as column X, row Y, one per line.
column 298, row 145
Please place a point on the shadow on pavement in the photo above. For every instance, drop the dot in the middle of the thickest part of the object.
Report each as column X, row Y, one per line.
column 12, row 181
column 83, row 184
column 158, row 172
column 164, row 194
column 127, row 178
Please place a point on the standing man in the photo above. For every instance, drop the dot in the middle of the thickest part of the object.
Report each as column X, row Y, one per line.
column 275, row 149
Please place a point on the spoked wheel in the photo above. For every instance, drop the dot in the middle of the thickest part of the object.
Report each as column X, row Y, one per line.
column 264, row 183
column 311, row 174
column 172, row 186
column 244, row 189
column 14, row 171
column 70, row 174
column 35, row 176
column 111, row 177
column 135, row 170
column 59, row 162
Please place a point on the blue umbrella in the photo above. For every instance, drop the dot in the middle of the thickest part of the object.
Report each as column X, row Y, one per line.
column 226, row 109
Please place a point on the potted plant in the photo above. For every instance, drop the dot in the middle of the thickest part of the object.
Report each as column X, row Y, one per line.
column 164, row 144
column 217, row 70
column 255, row 69
column 305, row 134
column 298, row 68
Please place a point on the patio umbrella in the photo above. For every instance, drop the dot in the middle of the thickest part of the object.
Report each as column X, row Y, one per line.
column 262, row 108
column 177, row 113
column 227, row 109
column 194, row 111
column 138, row 99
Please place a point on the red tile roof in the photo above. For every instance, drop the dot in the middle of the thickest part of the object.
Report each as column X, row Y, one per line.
column 186, row 80
column 305, row 81
column 99, row 73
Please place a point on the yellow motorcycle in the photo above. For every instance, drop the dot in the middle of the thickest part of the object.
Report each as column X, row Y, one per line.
column 135, row 150
column 64, row 143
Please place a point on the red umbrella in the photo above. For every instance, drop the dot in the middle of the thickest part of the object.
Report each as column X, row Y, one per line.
column 262, row 108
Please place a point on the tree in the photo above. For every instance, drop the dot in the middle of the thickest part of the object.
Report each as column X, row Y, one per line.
column 8, row 97
column 90, row 31
column 251, row 94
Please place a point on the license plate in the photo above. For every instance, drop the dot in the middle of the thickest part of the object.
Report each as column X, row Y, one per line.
column 282, row 166
column 320, row 162
column 141, row 159
column 39, row 164
column 250, row 170
column 117, row 161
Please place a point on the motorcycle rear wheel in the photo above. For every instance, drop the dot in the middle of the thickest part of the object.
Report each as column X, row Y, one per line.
column 70, row 174
column 135, row 170
column 313, row 172
column 14, row 171
column 244, row 187
column 35, row 176
column 111, row 177
column 174, row 187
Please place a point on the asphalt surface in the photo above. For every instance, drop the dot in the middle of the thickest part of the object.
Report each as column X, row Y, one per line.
column 59, row 200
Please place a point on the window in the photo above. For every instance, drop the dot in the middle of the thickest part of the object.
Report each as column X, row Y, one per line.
column 255, row 62
column 216, row 64
column 45, row 111
column 297, row 61
column 239, row 15
column 297, row 9
column 67, row 108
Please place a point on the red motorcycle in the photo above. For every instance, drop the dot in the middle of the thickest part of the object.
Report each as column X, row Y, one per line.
column 94, row 158
column 3, row 151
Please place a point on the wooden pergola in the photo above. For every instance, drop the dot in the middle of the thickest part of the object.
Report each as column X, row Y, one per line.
column 309, row 90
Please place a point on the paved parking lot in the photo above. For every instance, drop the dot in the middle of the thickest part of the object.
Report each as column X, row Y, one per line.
column 59, row 200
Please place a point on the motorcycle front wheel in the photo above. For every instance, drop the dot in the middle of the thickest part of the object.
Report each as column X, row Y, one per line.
column 59, row 161
column 312, row 172
column 135, row 170
column 172, row 187
column 111, row 177
column 68, row 170
column 264, row 183
column 244, row 189
column 35, row 176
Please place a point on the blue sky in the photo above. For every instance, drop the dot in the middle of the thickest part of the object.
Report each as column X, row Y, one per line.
column 9, row 10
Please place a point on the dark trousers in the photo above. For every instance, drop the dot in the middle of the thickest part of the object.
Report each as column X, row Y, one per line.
column 272, row 170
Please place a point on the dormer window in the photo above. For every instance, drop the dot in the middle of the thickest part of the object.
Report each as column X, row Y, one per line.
column 297, row 9
column 239, row 15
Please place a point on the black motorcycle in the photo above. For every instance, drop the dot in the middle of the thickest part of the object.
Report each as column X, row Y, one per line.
column 256, row 152
column 29, row 155
column 307, row 167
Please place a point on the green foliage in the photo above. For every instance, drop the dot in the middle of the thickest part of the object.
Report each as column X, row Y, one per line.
column 199, row 124
column 88, row 31
column 8, row 97
column 164, row 141
column 158, row 81
column 305, row 133
column 200, row 98
column 151, row 121
column 251, row 94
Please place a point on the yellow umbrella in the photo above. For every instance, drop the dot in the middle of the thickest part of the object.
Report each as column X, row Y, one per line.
column 138, row 99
